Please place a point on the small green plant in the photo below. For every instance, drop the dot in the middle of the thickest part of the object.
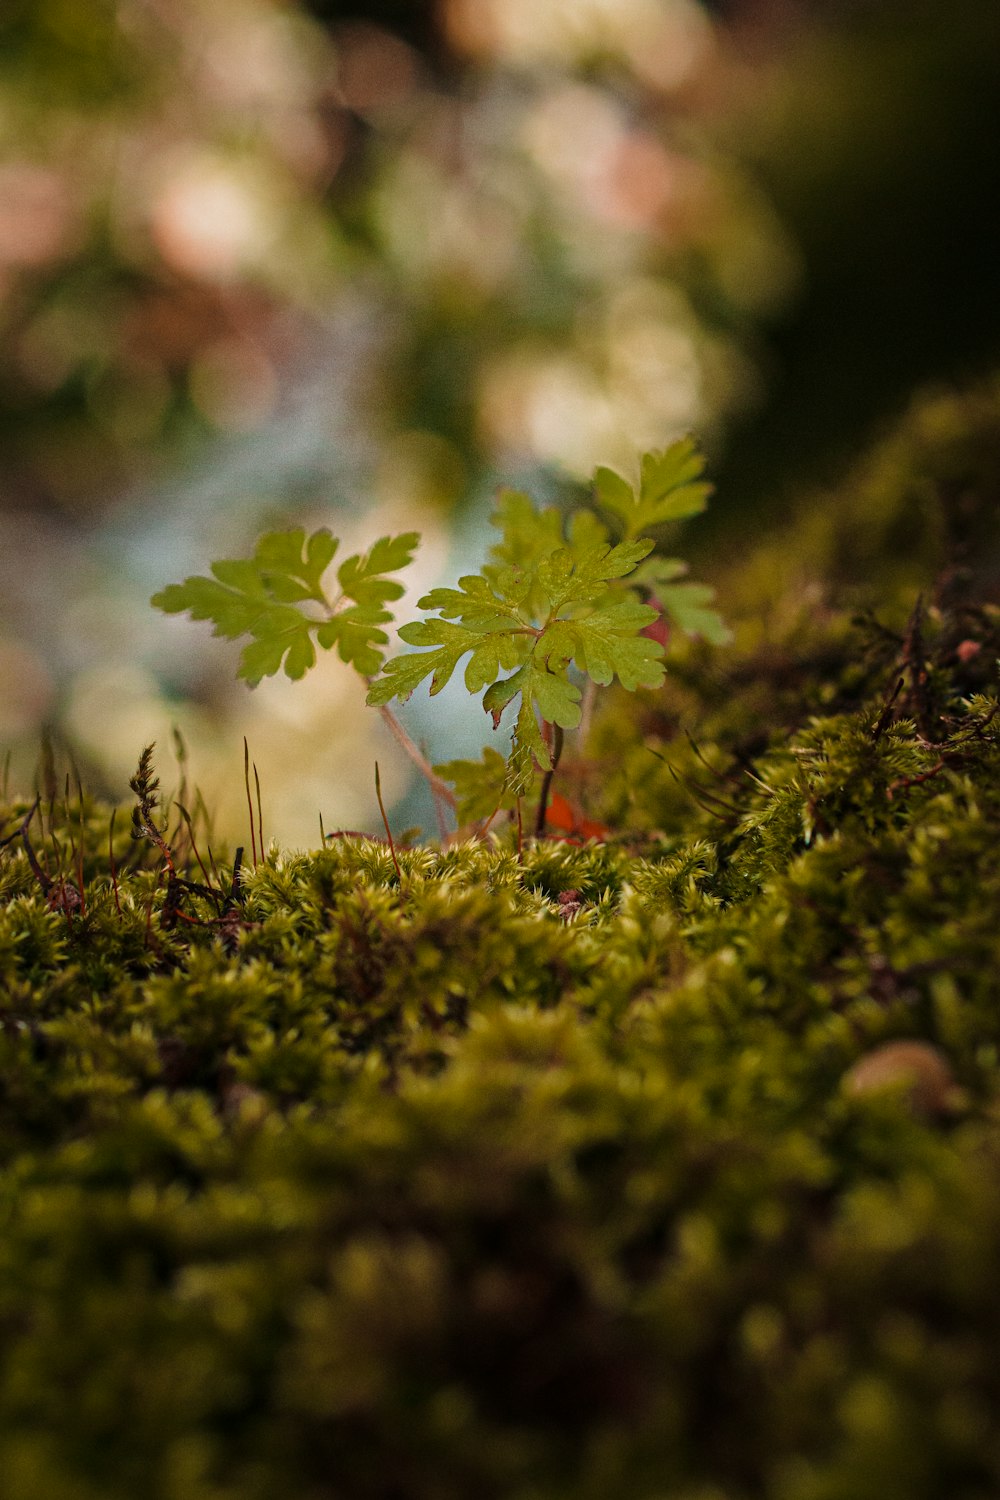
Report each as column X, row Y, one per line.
column 563, row 605
column 277, row 599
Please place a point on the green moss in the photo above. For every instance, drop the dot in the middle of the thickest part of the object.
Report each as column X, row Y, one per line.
column 595, row 1171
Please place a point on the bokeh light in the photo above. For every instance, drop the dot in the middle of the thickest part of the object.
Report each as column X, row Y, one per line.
column 267, row 262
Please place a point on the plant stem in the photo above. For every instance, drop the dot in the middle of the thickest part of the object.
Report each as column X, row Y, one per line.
column 543, row 800
column 438, row 787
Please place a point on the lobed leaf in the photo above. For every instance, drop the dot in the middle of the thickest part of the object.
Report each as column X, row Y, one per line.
column 477, row 603
column 557, row 699
column 259, row 597
column 528, row 532
column 670, row 489
column 609, row 643
column 286, row 557
column 568, row 579
column 232, row 612
column 481, row 786
column 362, row 578
column 688, row 605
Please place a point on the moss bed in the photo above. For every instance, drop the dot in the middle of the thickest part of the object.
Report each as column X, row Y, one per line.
column 663, row 1167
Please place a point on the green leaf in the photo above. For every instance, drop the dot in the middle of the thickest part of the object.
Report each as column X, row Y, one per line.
column 521, row 769
column 656, row 571
column 233, row 612
column 568, row 579
column 400, row 675
column 614, row 493
column 260, row 597
column 357, row 637
column 362, row 578
column 481, row 786
column 528, row 533
column 263, row 658
column 284, row 558
column 508, row 620
column 557, row 698
column 477, row 603
column 609, row 643
column 321, row 548
column 445, row 645
column 670, row 489
column 528, row 745
column 241, row 573
column 669, row 481
column 586, row 532
column 688, row 606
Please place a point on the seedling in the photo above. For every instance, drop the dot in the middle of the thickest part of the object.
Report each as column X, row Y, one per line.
column 560, row 603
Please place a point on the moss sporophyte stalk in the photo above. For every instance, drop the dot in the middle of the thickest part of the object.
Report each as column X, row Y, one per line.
column 560, row 604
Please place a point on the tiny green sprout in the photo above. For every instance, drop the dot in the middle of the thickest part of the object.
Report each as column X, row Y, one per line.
column 555, row 597
column 559, row 602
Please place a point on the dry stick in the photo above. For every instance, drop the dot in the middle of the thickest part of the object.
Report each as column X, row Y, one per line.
column 246, row 782
column 180, row 753
column 44, row 880
column 385, row 820
column 905, row 782
column 66, row 820
column 543, row 799
column 719, row 775
column 438, row 787
column 484, row 830
column 442, row 821
column 236, row 886
column 6, row 776
column 693, row 787
column 881, row 723
column 47, row 769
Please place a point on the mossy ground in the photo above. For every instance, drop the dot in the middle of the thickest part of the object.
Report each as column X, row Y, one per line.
column 597, row 1171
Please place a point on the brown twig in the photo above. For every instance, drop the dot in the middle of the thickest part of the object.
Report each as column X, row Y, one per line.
column 543, row 796
column 438, row 787
column 881, row 723
column 905, row 782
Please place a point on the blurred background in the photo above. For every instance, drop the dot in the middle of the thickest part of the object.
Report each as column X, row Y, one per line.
column 268, row 262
